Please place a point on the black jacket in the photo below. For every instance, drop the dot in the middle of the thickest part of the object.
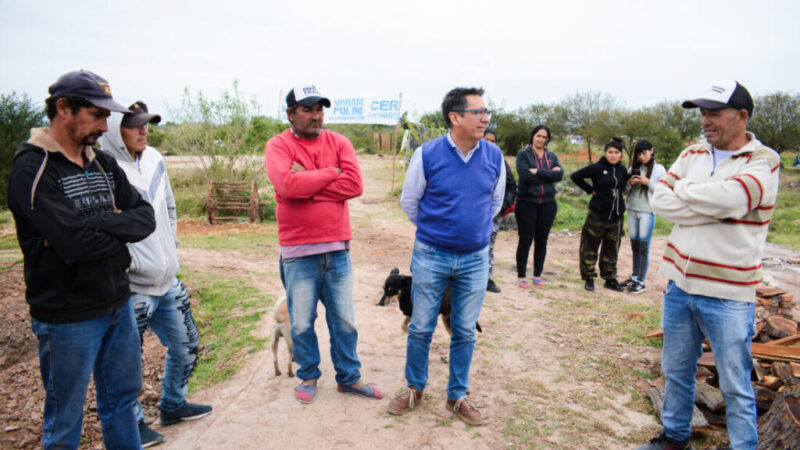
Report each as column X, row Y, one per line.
column 539, row 188
column 74, row 245
column 511, row 189
column 608, row 181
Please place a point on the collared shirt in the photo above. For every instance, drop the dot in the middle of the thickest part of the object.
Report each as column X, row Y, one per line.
column 416, row 183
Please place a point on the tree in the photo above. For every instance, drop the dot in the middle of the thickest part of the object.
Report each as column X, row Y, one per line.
column 217, row 132
column 776, row 121
column 18, row 115
column 589, row 115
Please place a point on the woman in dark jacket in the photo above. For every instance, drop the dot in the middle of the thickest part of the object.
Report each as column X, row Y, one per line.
column 538, row 170
column 604, row 221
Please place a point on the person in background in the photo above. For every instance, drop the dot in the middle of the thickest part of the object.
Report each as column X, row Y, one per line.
column 159, row 298
column 603, row 226
column 644, row 175
column 75, row 212
column 539, row 170
column 720, row 193
column 508, row 203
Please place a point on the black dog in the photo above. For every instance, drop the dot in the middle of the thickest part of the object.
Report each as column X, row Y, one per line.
column 399, row 286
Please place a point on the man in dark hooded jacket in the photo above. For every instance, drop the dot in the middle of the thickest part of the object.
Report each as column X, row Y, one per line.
column 75, row 212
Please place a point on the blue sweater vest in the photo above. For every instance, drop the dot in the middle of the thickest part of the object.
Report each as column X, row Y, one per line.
column 455, row 214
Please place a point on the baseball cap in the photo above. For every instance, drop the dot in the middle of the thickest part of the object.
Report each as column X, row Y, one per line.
column 306, row 95
column 139, row 116
column 725, row 94
column 86, row 85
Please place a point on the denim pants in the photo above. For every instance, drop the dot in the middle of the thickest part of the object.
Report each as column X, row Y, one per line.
column 467, row 274
column 170, row 318
column 640, row 229
column 69, row 353
column 729, row 326
column 326, row 277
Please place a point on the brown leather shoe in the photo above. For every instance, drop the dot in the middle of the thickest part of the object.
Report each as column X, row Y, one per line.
column 465, row 410
column 404, row 401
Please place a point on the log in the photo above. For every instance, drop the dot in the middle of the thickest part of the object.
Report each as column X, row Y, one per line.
column 655, row 334
column 788, row 340
column 775, row 352
column 706, row 359
column 763, row 301
column 708, row 395
column 764, row 397
column 780, row 426
column 760, row 371
column 759, row 328
column 771, row 382
column 780, row 327
column 795, row 369
column 656, row 396
column 769, row 291
column 783, row 371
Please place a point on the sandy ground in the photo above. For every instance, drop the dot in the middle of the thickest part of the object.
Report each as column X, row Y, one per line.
column 255, row 409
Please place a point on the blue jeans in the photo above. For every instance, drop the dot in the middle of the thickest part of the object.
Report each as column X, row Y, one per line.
column 170, row 318
column 640, row 229
column 327, row 277
column 729, row 326
column 68, row 355
column 467, row 274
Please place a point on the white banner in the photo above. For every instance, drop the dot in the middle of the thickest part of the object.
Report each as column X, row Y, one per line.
column 374, row 110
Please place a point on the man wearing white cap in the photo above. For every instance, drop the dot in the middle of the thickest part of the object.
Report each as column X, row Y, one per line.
column 314, row 172
column 720, row 193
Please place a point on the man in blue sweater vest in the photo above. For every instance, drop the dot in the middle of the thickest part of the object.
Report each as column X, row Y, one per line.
column 454, row 186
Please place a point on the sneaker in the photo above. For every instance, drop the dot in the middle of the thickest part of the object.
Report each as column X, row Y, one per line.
column 189, row 411
column 523, row 284
column 636, row 288
column 662, row 442
column 148, row 437
column 589, row 284
column 406, row 399
column 613, row 285
column 491, row 287
column 465, row 410
column 628, row 283
column 538, row 282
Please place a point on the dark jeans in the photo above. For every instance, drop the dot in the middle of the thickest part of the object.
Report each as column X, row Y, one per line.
column 534, row 221
column 596, row 232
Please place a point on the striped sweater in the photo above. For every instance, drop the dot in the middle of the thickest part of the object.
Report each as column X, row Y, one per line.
column 721, row 219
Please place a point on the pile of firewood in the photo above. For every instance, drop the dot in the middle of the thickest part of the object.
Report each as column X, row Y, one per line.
column 776, row 375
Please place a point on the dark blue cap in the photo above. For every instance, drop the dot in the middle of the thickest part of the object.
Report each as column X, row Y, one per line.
column 89, row 86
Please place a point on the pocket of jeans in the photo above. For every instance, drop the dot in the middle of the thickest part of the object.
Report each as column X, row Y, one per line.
column 289, row 260
column 670, row 287
column 423, row 248
column 734, row 305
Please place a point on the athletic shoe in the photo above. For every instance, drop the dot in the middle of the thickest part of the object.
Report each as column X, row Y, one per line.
column 148, row 437
column 491, row 287
column 538, row 282
column 662, row 442
column 628, row 283
column 523, row 284
column 589, row 284
column 613, row 285
column 189, row 411
column 636, row 288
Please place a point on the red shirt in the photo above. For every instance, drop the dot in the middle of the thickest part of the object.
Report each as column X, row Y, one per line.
column 312, row 205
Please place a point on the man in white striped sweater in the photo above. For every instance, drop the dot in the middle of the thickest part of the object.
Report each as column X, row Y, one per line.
column 720, row 193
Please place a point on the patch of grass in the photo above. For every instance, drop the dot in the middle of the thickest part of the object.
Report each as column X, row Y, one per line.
column 8, row 231
column 226, row 314
column 254, row 240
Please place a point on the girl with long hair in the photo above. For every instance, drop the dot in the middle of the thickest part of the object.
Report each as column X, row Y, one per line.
column 644, row 176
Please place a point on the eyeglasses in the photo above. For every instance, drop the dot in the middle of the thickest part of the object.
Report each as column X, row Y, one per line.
column 476, row 111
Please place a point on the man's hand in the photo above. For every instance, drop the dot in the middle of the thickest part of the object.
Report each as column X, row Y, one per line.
column 533, row 171
column 557, row 168
column 297, row 168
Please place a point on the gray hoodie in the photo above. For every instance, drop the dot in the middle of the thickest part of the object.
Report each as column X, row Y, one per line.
column 154, row 261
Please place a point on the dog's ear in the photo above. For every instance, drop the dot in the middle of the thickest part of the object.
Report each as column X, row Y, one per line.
column 394, row 271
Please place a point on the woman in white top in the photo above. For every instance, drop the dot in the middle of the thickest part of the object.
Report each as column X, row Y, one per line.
column 645, row 174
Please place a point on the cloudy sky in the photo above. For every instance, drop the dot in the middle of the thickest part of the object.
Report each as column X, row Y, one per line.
column 521, row 52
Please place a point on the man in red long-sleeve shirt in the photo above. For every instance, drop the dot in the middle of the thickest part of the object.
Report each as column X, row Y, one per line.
column 314, row 172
